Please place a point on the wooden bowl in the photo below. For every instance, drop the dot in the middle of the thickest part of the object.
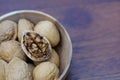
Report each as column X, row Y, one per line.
column 64, row 48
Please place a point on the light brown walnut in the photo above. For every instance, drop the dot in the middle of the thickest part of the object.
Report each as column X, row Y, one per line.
column 54, row 58
column 8, row 30
column 10, row 49
column 23, row 25
column 46, row 71
column 49, row 30
column 17, row 69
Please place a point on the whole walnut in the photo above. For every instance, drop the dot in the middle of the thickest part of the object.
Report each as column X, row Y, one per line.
column 8, row 30
column 49, row 30
column 23, row 25
column 10, row 49
column 54, row 57
column 46, row 71
column 3, row 65
column 17, row 69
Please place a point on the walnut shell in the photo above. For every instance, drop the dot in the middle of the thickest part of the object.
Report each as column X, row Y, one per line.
column 35, row 46
column 49, row 30
column 46, row 71
column 3, row 65
column 54, row 58
column 9, row 49
column 8, row 30
column 17, row 69
column 23, row 25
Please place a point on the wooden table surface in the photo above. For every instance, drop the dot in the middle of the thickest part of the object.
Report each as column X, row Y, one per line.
column 94, row 27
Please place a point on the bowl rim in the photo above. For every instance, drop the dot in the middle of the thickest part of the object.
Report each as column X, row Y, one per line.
column 63, row 75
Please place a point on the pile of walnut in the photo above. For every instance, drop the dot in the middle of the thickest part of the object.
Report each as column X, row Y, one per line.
column 27, row 50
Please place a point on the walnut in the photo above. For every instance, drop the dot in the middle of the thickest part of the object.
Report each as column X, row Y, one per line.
column 36, row 47
column 8, row 30
column 46, row 71
column 9, row 49
column 23, row 25
column 49, row 30
column 17, row 69
column 3, row 65
column 54, row 57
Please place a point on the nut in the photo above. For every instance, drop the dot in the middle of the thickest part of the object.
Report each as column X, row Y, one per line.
column 36, row 47
column 49, row 30
column 8, row 30
column 54, row 57
column 2, row 70
column 23, row 25
column 9, row 49
column 46, row 71
column 17, row 69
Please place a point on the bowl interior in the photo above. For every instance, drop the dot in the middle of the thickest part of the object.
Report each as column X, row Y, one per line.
column 64, row 48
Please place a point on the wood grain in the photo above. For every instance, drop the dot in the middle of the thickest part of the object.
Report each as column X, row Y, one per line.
column 94, row 27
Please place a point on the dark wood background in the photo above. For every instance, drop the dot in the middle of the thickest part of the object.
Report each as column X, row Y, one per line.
column 94, row 27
